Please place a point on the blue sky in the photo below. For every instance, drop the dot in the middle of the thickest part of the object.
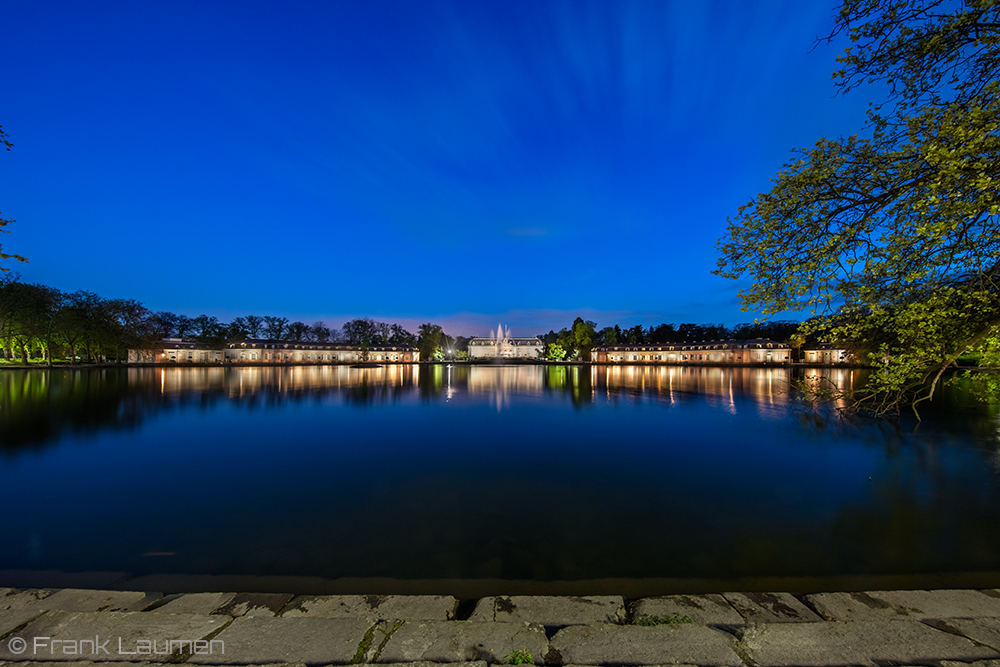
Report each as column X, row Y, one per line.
column 460, row 162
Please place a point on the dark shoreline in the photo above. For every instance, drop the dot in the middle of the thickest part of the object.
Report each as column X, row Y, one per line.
column 476, row 588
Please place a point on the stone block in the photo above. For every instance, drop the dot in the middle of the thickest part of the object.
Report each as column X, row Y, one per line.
column 770, row 608
column 382, row 607
column 79, row 599
column 981, row 630
column 194, row 603
column 869, row 643
column 711, row 609
column 913, row 605
column 12, row 598
column 19, row 607
column 70, row 663
column 254, row 604
column 550, row 610
column 683, row 643
column 110, row 636
column 460, row 641
column 252, row 640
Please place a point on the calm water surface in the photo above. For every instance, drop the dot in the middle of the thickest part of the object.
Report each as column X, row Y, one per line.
column 483, row 472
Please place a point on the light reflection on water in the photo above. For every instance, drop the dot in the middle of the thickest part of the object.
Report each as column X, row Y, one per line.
column 537, row 473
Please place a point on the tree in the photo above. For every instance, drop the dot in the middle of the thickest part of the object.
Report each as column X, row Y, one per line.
column 70, row 319
column 360, row 331
column 892, row 239
column 400, row 336
column 635, row 335
column 163, row 324
column 429, row 337
column 237, row 330
column 183, row 325
column 254, row 324
column 274, row 327
column 298, row 331
column 133, row 329
column 96, row 330
column 319, row 332
column 28, row 317
column 584, row 336
column 4, row 221
column 555, row 351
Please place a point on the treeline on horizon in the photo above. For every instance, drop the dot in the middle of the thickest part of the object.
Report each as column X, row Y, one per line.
column 583, row 336
column 41, row 322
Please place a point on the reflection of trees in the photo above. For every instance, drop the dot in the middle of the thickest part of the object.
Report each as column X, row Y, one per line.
column 574, row 381
column 37, row 406
column 500, row 383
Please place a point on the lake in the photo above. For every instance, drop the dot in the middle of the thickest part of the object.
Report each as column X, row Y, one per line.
column 471, row 479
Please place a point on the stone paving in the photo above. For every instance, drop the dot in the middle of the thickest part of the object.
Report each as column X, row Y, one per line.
column 88, row 628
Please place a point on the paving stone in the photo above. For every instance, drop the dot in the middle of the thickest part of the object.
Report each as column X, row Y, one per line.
column 458, row 641
column 632, row 645
column 89, row 663
column 916, row 605
column 550, row 610
column 70, row 663
column 13, row 598
column 18, row 607
column 252, row 640
column 770, row 608
column 427, row 663
column 255, row 604
column 195, row 603
column 110, row 636
column 79, row 599
column 404, row 607
column 712, row 609
column 74, row 663
column 982, row 630
column 867, row 643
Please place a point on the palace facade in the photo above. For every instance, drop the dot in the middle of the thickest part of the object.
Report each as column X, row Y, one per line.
column 176, row 350
column 755, row 351
column 504, row 346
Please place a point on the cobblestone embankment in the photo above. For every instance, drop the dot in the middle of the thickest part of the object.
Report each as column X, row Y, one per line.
column 80, row 628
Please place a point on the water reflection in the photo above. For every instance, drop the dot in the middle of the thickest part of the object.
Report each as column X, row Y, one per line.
column 674, row 383
column 528, row 472
column 36, row 406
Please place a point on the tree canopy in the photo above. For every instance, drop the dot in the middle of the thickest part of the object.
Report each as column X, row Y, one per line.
column 5, row 221
column 893, row 237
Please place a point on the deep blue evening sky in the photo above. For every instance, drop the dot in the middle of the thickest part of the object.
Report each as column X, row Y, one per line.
column 465, row 162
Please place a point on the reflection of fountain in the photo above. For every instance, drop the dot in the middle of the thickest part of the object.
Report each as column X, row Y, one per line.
column 503, row 382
